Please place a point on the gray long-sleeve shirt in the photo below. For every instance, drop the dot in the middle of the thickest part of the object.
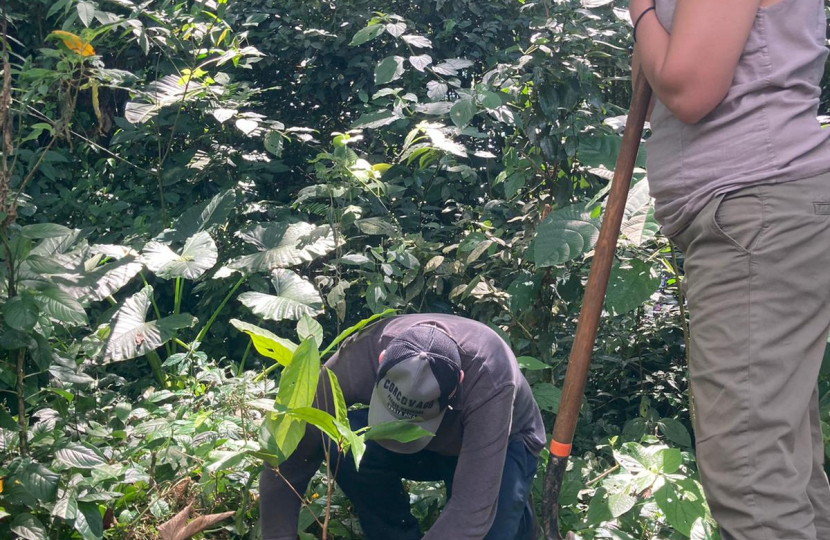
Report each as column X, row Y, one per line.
column 494, row 406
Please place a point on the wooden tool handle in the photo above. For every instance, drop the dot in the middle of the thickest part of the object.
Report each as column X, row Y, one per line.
column 586, row 329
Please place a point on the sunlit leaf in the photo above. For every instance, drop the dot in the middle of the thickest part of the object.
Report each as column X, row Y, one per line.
column 198, row 255
column 79, row 456
column 639, row 225
column 266, row 343
column 682, row 502
column 294, row 298
column 132, row 336
column 282, row 245
column 60, row 306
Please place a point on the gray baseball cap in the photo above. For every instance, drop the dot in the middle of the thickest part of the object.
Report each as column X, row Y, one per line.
column 420, row 371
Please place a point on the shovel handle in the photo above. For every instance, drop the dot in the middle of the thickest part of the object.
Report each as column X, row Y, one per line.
column 586, row 329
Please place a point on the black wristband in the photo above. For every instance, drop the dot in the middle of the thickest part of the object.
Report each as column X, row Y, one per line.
column 640, row 18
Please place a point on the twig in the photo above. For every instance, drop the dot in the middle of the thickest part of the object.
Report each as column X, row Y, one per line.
column 302, row 499
column 603, row 475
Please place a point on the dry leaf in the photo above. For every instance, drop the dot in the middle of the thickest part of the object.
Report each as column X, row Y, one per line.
column 179, row 529
column 74, row 43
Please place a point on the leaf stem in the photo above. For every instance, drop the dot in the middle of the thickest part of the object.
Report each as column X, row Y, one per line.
column 203, row 332
column 241, row 367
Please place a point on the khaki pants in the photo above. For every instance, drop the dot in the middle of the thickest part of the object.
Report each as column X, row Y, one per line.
column 757, row 267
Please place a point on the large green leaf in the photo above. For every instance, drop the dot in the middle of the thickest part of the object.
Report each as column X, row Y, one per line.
column 367, row 34
column 29, row 527
column 67, row 506
column 79, row 456
column 564, row 235
column 89, row 521
column 389, row 69
column 294, row 298
column 298, row 384
column 282, row 245
column 683, row 504
column 547, row 396
column 631, row 284
column 638, row 224
column 60, row 306
column 298, row 387
column 30, row 483
column 603, row 150
column 132, row 336
column 202, row 217
column 45, row 230
column 266, row 343
column 675, row 432
column 198, row 255
column 462, row 112
column 20, row 312
column 99, row 283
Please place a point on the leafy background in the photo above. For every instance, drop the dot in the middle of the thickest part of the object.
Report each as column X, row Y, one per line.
column 189, row 168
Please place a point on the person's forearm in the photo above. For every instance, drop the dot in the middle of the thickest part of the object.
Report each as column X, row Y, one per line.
column 650, row 58
column 691, row 70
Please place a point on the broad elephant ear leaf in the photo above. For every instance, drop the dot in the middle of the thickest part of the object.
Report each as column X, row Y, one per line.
column 198, row 255
column 294, row 298
column 282, row 245
column 102, row 281
column 202, row 217
column 132, row 336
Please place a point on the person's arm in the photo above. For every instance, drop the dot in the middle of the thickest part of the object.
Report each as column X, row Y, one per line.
column 475, row 489
column 691, row 69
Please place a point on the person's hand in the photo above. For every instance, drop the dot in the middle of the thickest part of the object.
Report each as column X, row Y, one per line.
column 637, row 7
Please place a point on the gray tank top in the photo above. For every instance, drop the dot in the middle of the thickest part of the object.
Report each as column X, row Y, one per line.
column 764, row 131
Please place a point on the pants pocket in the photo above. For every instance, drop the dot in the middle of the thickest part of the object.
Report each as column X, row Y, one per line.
column 738, row 218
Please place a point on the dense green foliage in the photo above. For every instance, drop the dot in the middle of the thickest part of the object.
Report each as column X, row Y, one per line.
column 195, row 194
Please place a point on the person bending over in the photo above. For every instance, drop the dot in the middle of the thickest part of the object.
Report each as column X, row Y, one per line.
column 458, row 380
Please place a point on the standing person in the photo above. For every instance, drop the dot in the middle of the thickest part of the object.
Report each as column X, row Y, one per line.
column 457, row 379
column 738, row 166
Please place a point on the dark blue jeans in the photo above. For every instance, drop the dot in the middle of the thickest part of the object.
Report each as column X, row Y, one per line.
column 382, row 505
